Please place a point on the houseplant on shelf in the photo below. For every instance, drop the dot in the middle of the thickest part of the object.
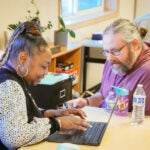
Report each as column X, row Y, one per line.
column 61, row 35
column 35, row 18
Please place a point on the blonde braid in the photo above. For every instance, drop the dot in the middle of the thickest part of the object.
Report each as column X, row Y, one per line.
column 13, row 37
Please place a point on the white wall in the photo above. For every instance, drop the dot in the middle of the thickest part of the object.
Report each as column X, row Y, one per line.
column 11, row 11
column 142, row 7
column 14, row 10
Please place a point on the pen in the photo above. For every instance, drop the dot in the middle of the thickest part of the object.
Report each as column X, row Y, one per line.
column 67, row 106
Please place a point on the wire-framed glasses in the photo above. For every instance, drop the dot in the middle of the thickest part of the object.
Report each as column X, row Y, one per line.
column 115, row 52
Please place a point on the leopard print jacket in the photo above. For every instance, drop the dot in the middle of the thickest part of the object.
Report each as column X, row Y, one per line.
column 21, row 124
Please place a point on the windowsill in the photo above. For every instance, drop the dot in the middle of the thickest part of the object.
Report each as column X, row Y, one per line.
column 92, row 19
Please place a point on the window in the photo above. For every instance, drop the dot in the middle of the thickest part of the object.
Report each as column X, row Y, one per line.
column 79, row 13
column 72, row 8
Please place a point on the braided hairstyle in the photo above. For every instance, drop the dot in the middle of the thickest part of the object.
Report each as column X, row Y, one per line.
column 26, row 37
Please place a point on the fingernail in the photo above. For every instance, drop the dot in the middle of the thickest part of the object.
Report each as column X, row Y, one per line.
column 90, row 126
column 85, row 129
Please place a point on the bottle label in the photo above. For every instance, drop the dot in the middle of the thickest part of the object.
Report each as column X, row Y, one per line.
column 109, row 105
column 139, row 100
column 122, row 106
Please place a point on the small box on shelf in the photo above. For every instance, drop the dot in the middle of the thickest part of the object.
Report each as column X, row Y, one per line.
column 64, row 66
column 55, row 49
column 73, row 72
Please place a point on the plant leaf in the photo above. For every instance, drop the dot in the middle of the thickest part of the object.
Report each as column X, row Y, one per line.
column 72, row 33
column 61, row 22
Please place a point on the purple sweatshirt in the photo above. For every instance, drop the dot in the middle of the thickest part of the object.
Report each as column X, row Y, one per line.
column 140, row 73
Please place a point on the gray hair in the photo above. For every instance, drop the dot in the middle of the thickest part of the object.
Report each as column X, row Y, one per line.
column 26, row 37
column 126, row 29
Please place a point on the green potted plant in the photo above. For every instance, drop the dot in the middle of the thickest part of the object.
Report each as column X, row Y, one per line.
column 61, row 35
column 35, row 18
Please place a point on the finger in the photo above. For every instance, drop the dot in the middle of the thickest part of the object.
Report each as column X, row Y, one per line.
column 86, row 124
column 68, row 111
column 83, row 123
column 82, row 113
column 79, row 112
column 77, row 127
column 83, row 126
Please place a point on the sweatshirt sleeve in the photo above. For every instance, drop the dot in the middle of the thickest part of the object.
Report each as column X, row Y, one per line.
column 15, row 131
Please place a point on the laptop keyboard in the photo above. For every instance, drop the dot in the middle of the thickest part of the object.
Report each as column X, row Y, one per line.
column 92, row 136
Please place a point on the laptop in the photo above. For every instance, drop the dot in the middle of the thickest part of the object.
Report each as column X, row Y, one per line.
column 93, row 136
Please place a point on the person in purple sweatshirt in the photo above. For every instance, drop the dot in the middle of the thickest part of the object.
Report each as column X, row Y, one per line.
column 127, row 64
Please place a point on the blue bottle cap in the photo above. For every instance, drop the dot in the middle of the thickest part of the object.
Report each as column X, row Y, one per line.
column 121, row 91
column 68, row 146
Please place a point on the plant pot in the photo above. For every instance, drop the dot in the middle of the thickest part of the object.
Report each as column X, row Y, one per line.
column 60, row 38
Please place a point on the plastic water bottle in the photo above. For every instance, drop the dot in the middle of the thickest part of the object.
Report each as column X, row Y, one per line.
column 138, row 112
column 110, row 101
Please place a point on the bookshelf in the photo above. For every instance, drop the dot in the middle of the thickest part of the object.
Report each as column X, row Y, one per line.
column 70, row 53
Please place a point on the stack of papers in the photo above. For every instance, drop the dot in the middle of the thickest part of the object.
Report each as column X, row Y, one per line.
column 53, row 78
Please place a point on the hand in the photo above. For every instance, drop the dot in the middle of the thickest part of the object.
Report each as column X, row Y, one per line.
column 77, row 112
column 77, row 103
column 72, row 122
column 62, row 112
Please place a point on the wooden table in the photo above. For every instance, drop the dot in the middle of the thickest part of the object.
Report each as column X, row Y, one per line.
column 120, row 134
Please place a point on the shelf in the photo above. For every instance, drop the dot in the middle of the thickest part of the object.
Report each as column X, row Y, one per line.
column 70, row 53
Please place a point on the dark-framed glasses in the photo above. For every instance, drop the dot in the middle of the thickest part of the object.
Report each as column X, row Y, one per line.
column 115, row 52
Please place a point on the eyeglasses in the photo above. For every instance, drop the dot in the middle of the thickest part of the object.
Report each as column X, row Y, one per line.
column 115, row 52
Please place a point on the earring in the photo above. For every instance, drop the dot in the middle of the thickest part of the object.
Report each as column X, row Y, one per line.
column 22, row 70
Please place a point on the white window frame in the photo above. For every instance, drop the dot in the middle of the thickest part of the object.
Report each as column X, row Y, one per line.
column 75, row 13
column 109, row 10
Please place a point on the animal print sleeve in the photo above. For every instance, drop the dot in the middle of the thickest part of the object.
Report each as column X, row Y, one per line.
column 15, row 131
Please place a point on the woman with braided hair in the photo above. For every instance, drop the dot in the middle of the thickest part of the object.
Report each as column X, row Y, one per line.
column 25, row 62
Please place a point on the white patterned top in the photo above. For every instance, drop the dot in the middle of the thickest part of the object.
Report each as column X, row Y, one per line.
column 15, row 131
